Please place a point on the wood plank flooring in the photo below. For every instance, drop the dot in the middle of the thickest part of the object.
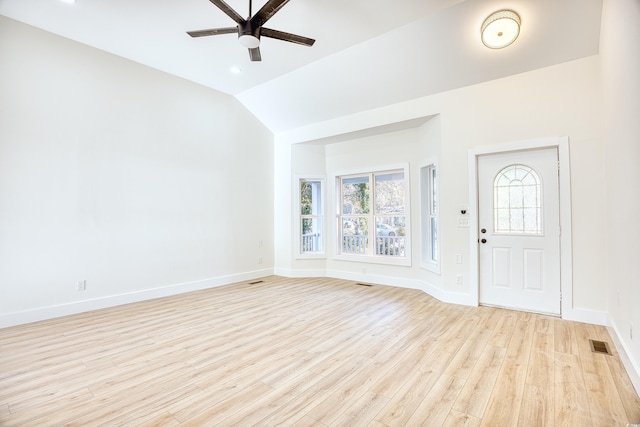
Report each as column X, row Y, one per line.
column 310, row 352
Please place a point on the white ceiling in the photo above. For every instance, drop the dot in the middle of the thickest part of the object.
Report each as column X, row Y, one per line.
column 368, row 53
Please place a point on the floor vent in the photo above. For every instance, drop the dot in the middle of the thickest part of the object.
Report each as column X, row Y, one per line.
column 256, row 282
column 364, row 284
column 599, row 347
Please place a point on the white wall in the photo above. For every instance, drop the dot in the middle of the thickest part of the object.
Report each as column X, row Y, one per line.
column 138, row 182
column 563, row 100
column 620, row 53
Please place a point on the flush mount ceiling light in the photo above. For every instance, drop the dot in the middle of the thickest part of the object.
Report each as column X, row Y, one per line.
column 500, row 29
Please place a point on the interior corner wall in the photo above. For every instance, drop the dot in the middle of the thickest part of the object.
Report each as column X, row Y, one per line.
column 620, row 62
column 139, row 183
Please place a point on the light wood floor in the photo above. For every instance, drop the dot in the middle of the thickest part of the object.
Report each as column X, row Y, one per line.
column 310, row 352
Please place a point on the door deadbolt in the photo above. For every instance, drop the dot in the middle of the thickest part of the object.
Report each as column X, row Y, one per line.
column 484, row 240
column 484, row 230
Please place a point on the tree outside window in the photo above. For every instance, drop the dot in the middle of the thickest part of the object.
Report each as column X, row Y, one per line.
column 311, row 226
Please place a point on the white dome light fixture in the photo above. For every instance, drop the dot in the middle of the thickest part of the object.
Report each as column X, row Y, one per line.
column 249, row 41
column 500, row 29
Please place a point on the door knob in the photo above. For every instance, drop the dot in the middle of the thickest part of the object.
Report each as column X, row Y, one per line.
column 484, row 240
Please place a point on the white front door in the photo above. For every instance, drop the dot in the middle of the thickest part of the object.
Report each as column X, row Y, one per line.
column 519, row 230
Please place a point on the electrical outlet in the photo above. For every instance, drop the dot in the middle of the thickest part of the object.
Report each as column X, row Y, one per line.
column 259, row 260
column 459, row 279
column 458, row 259
column 82, row 285
column 260, row 243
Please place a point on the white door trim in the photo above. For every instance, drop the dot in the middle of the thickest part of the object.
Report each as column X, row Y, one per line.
column 564, row 181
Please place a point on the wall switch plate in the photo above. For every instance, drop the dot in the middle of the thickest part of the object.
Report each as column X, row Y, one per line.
column 82, row 285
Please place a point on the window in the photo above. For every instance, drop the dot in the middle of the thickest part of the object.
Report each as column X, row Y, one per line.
column 517, row 205
column 430, row 217
column 311, row 224
column 372, row 215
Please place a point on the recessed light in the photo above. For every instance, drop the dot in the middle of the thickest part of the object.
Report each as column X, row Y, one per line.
column 235, row 70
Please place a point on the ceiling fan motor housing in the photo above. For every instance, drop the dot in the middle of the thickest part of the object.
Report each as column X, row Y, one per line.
column 248, row 35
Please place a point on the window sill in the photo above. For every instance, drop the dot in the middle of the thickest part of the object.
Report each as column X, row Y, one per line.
column 313, row 255
column 405, row 261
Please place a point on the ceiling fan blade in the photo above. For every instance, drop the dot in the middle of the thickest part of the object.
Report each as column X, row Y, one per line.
column 213, row 32
column 266, row 12
column 288, row 37
column 228, row 10
column 254, row 54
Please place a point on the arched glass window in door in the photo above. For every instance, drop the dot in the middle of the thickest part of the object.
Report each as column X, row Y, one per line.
column 517, row 201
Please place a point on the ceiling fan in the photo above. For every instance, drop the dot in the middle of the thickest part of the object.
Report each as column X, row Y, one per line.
column 251, row 29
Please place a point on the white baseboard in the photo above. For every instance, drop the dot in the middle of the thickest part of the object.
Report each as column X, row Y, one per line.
column 374, row 279
column 632, row 366
column 300, row 273
column 434, row 291
column 50, row 312
column 575, row 314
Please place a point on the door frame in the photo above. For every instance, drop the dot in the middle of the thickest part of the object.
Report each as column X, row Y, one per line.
column 564, row 189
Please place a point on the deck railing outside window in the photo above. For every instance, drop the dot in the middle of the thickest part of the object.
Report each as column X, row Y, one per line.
column 355, row 244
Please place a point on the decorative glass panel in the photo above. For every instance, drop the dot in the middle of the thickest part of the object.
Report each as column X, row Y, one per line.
column 517, row 202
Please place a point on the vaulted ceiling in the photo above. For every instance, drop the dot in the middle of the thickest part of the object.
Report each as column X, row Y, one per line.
column 368, row 53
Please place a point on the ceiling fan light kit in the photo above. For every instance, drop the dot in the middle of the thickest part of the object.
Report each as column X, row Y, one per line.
column 249, row 41
column 500, row 29
column 251, row 29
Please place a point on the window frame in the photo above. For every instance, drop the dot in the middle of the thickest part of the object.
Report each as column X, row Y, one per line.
column 428, row 214
column 370, row 256
column 299, row 254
